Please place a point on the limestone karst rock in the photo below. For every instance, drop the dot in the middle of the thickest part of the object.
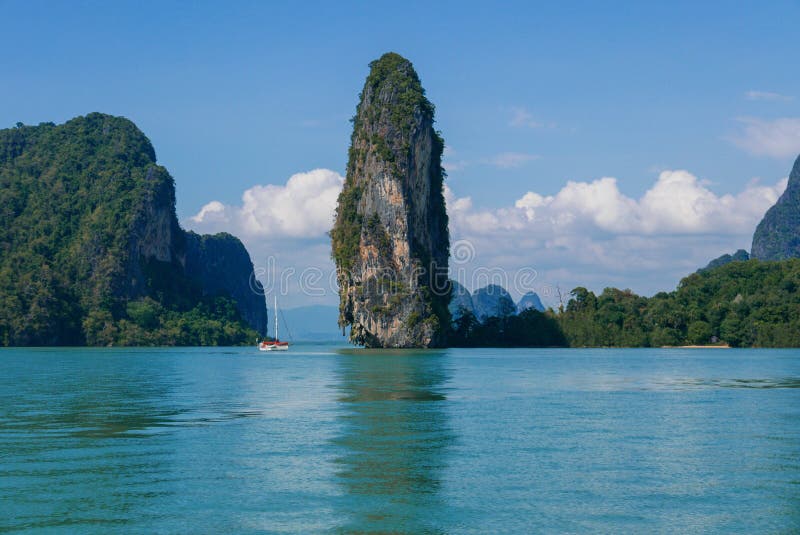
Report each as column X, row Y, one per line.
column 460, row 301
column 493, row 300
column 390, row 239
column 530, row 300
column 778, row 234
column 91, row 251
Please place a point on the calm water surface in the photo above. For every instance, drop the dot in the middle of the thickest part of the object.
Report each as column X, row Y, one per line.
column 328, row 439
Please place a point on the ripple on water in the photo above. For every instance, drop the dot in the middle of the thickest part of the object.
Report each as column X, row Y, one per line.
column 467, row 441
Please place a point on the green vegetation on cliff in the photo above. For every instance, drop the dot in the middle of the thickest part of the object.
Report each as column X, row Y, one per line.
column 90, row 249
column 346, row 233
column 742, row 303
column 393, row 72
column 408, row 106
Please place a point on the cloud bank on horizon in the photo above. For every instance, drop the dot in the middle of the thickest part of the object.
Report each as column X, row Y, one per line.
column 589, row 233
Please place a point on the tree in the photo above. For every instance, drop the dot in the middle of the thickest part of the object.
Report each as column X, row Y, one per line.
column 699, row 332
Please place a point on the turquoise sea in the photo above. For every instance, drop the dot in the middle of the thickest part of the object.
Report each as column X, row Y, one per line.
column 330, row 439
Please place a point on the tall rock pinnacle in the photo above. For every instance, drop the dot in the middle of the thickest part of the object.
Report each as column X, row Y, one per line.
column 778, row 235
column 390, row 240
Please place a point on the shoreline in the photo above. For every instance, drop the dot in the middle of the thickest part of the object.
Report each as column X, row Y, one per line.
column 715, row 346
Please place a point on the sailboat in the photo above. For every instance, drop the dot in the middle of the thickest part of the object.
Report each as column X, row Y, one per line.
column 274, row 345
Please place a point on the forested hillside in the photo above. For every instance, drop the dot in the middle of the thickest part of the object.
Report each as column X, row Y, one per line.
column 90, row 249
column 741, row 303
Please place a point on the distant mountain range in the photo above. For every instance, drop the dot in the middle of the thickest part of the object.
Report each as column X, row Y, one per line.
column 491, row 300
column 318, row 323
column 530, row 300
column 739, row 256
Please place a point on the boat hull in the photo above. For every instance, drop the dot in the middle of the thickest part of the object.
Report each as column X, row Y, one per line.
column 283, row 346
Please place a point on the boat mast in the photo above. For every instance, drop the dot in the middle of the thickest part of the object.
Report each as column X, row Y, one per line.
column 276, row 318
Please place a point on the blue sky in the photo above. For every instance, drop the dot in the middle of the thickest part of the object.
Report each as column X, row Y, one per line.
column 529, row 97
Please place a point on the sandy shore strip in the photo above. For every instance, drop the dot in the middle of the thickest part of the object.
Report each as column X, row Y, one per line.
column 716, row 346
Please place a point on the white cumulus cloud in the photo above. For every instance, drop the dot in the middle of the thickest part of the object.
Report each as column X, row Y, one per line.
column 301, row 208
column 677, row 203
column 590, row 233
column 213, row 212
column 284, row 226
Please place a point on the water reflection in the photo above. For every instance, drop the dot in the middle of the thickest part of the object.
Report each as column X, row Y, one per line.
column 91, row 402
column 395, row 439
column 713, row 383
column 62, row 458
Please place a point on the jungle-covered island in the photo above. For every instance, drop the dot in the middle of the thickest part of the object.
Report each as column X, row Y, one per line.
column 91, row 252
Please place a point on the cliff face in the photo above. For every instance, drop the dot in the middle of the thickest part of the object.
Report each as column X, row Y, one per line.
column 87, row 227
column 154, row 235
column 390, row 239
column 778, row 235
column 219, row 263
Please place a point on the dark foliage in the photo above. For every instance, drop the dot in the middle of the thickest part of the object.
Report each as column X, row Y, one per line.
column 744, row 304
column 531, row 328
